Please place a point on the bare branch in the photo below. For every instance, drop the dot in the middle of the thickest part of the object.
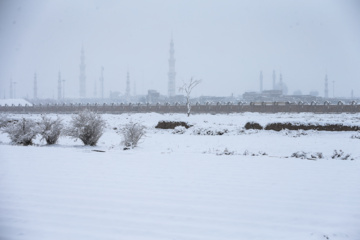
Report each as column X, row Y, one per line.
column 187, row 88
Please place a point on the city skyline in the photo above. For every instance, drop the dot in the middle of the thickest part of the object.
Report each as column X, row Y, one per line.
column 225, row 48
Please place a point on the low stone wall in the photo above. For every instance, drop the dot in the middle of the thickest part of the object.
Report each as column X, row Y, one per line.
column 166, row 108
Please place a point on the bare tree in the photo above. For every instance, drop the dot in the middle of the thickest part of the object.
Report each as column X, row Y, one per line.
column 187, row 88
column 87, row 126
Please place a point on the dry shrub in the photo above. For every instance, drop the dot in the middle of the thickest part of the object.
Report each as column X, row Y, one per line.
column 22, row 132
column 132, row 133
column 87, row 126
column 50, row 129
column 171, row 124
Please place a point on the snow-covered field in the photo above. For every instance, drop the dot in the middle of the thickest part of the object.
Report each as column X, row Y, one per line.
column 243, row 184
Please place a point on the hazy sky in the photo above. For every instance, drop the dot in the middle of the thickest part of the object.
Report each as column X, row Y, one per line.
column 225, row 43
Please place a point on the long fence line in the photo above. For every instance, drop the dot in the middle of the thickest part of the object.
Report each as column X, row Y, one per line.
column 273, row 107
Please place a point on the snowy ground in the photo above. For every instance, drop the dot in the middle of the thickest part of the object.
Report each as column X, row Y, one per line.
column 15, row 102
column 182, row 186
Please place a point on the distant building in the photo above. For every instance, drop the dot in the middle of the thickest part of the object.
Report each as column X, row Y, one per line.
column 281, row 85
column 251, row 96
column 272, row 93
column 153, row 96
column 266, row 95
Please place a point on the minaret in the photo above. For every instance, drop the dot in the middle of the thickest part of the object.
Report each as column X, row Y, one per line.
column 172, row 73
column 59, row 86
column 326, row 94
column 102, row 82
column 35, row 87
column 281, row 83
column 82, row 78
column 274, row 79
column 127, row 93
column 261, row 81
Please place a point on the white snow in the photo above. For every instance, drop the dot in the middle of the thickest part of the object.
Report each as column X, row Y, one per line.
column 177, row 186
column 15, row 102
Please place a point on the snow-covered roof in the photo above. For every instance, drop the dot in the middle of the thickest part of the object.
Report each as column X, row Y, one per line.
column 15, row 102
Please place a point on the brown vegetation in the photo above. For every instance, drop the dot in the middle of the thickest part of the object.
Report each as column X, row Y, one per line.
column 171, row 124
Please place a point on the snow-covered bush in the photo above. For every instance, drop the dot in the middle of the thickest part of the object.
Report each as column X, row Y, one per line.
column 87, row 126
column 243, row 131
column 356, row 136
column 132, row 133
column 179, row 130
column 22, row 132
column 218, row 152
column 306, row 155
column 3, row 120
column 340, row 155
column 225, row 152
column 294, row 133
column 260, row 153
column 50, row 129
column 209, row 131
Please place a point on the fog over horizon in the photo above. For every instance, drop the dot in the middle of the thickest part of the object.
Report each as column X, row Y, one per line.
column 224, row 43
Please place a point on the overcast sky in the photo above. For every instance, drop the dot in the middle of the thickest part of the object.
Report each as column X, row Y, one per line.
column 225, row 43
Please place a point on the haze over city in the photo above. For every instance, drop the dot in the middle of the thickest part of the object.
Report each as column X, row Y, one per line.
column 224, row 43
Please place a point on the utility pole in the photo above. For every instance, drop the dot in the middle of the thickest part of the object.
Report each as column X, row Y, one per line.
column 333, row 89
